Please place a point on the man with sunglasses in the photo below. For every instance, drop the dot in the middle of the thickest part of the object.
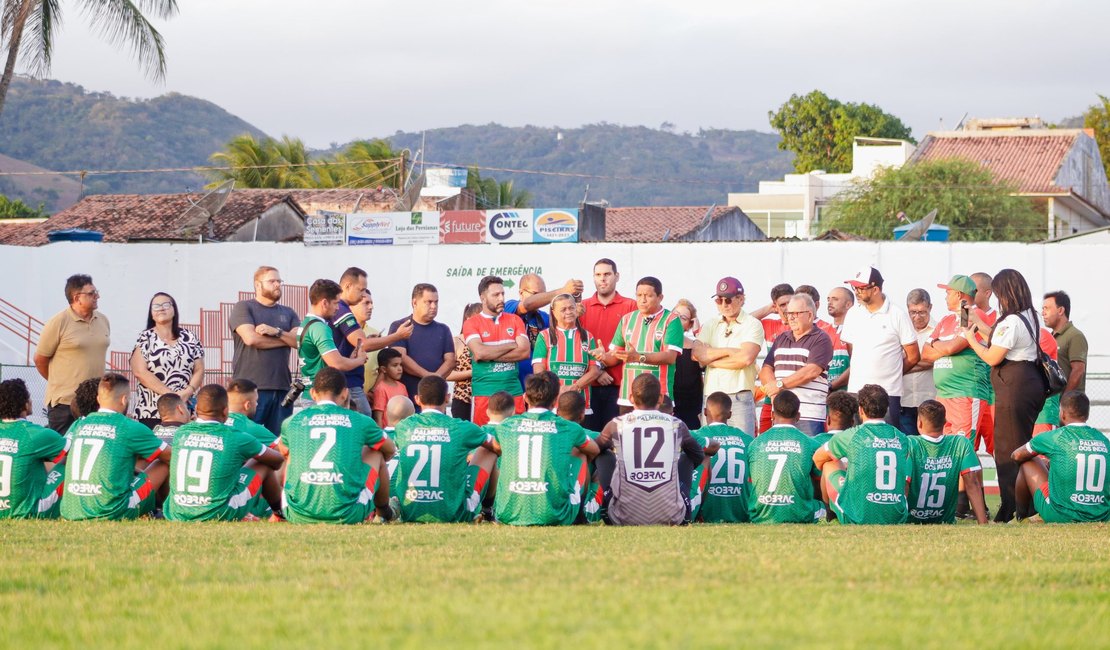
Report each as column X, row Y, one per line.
column 799, row 361
column 72, row 348
column 881, row 339
column 727, row 347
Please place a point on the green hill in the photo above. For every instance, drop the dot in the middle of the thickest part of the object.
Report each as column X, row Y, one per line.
column 679, row 168
column 63, row 127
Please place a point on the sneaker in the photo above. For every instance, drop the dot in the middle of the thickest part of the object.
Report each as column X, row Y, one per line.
column 485, row 516
column 276, row 518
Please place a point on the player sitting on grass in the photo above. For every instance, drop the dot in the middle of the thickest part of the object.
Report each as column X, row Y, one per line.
column 104, row 449
column 172, row 413
column 500, row 406
column 335, row 472
column 84, row 399
column 30, row 485
column 939, row 463
column 784, row 480
column 397, row 409
column 219, row 472
column 840, row 415
column 871, row 489
column 1073, row 487
column 572, row 406
column 435, row 483
column 544, row 461
column 720, row 486
column 649, row 463
column 242, row 403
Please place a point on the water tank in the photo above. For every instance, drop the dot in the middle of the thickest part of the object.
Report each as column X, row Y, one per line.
column 74, row 234
column 936, row 232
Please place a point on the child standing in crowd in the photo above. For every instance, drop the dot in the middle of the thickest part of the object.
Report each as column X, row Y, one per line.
column 388, row 384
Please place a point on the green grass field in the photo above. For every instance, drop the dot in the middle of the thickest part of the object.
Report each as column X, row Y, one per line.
column 153, row 584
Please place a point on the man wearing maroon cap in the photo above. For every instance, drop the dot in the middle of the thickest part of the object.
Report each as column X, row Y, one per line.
column 727, row 346
column 603, row 312
column 882, row 342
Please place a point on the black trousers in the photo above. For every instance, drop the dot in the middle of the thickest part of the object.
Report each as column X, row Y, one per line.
column 603, row 402
column 1018, row 398
column 59, row 417
column 460, row 409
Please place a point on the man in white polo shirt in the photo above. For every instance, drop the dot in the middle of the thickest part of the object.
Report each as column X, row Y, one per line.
column 727, row 347
column 881, row 340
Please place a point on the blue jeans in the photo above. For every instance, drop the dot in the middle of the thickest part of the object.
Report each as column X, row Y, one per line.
column 271, row 413
column 358, row 400
column 743, row 412
column 908, row 420
column 811, row 427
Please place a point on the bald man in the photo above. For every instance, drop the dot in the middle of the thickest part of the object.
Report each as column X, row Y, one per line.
column 534, row 296
column 397, row 408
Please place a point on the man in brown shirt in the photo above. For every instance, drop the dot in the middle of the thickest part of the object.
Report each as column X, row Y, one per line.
column 73, row 347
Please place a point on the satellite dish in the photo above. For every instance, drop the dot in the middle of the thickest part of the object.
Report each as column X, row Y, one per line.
column 708, row 218
column 919, row 229
column 200, row 212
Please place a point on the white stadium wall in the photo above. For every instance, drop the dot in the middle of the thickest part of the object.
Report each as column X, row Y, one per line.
column 204, row 275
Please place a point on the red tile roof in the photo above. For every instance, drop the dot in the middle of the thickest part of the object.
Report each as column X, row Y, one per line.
column 136, row 217
column 1030, row 159
column 649, row 224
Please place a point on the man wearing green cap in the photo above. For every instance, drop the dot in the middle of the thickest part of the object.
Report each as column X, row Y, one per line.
column 962, row 379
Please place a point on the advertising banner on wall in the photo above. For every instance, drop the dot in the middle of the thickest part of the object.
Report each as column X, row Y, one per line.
column 509, row 226
column 370, row 228
column 462, row 227
column 555, row 226
column 325, row 229
column 415, row 227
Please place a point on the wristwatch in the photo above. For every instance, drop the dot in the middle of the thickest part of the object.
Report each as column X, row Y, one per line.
column 643, row 358
column 778, row 383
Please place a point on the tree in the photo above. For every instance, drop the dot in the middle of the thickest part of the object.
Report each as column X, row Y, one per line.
column 16, row 209
column 819, row 130
column 266, row 163
column 1097, row 117
column 490, row 194
column 121, row 22
column 365, row 163
column 965, row 195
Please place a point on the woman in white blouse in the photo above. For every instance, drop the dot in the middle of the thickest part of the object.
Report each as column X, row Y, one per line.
column 1019, row 387
column 167, row 359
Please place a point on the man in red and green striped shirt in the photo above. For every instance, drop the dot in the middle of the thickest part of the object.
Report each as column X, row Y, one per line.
column 647, row 340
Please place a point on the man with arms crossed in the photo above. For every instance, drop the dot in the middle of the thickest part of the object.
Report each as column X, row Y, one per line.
column 727, row 347
column 336, row 468
column 497, row 341
column 263, row 333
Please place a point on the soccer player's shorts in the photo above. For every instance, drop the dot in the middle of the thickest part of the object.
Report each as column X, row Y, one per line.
column 480, row 405
column 765, row 420
column 698, row 483
column 50, row 503
column 970, row 417
column 1046, row 510
column 142, row 499
column 834, row 484
column 248, row 499
column 1044, row 427
column 580, row 473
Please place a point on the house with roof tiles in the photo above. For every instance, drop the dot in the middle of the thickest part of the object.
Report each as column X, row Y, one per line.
column 659, row 224
column 1059, row 169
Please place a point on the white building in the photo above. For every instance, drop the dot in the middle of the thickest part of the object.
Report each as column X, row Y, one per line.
column 793, row 207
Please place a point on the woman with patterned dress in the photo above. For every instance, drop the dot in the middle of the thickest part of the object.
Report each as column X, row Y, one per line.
column 166, row 359
column 461, row 395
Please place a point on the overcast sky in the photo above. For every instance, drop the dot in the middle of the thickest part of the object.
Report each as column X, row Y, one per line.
column 335, row 70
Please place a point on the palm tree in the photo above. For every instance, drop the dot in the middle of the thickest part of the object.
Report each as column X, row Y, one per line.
column 269, row 163
column 121, row 22
column 490, row 194
column 369, row 163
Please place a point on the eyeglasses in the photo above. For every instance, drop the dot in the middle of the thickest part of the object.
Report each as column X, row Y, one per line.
column 726, row 300
column 94, row 293
column 866, row 287
column 917, row 312
column 161, row 306
column 794, row 314
column 272, row 282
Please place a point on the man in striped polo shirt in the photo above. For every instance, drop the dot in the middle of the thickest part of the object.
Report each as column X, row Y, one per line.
column 497, row 341
column 799, row 360
column 647, row 340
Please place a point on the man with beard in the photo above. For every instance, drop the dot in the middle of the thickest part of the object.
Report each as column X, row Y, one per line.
column 497, row 341
column 263, row 333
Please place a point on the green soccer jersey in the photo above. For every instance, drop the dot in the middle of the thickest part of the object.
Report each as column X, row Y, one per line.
column 938, row 464
column 540, row 483
column 101, row 464
column 962, row 374
column 781, row 466
column 204, row 471
column 316, row 341
column 491, row 376
column 647, row 334
column 434, row 481
column 247, row 425
column 24, row 447
column 325, row 478
column 569, row 356
column 1078, row 458
column 878, row 467
column 725, row 496
column 1050, row 414
column 822, row 438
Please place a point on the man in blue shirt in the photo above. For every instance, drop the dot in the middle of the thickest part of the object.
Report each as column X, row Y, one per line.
column 431, row 349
